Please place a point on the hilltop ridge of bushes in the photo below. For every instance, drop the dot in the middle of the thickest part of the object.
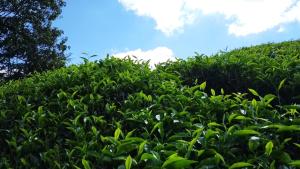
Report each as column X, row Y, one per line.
column 260, row 67
column 237, row 109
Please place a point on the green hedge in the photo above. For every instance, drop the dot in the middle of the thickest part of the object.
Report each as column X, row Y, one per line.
column 119, row 114
column 261, row 67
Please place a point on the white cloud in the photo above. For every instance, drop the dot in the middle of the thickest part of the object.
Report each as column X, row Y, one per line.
column 244, row 16
column 169, row 15
column 281, row 29
column 155, row 56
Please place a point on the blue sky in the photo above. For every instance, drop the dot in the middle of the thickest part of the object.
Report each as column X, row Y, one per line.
column 158, row 30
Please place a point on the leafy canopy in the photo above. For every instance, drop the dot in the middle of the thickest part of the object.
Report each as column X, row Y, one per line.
column 28, row 41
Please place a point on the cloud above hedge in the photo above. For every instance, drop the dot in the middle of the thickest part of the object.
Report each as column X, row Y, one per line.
column 154, row 56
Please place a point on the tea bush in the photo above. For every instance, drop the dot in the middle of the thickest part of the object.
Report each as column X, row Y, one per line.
column 261, row 67
column 120, row 114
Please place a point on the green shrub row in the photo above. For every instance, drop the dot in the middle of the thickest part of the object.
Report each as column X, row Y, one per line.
column 260, row 67
column 119, row 114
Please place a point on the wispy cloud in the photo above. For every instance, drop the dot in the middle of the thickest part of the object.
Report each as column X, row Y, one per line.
column 244, row 16
column 155, row 56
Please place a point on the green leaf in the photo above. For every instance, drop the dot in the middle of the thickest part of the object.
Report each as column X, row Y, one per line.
column 200, row 152
column 197, row 132
column 117, row 133
column 254, row 103
column 254, row 92
column 285, row 158
column 295, row 163
column 253, row 143
column 129, row 134
column 242, row 118
column 298, row 145
column 231, row 117
column 76, row 167
column 213, row 92
column 246, row 132
column 286, row 141
column 40, row 109
column 24, row 162
column 156, row 126
column 84, row 59
column 210, row 133
column 214, row 124
column 269, row 98
column 141, row 148
column 127, row 146
column 94, row 130
column 191, row 145
column 269, row 148
column 272, row 166
column 177, row 162
column 230, row 129
column 240, row 165
column 281, row 84
column 21, row 99
column 222, row 91
column 291, row 128
column 93, row 56
column 219, row 157
column 147, row 156
column 128, row 162
column 203, row 85
column 85, row 164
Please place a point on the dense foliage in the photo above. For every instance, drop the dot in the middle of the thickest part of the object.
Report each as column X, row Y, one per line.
column 260, row 67
column 116, row 113
column 28, row 41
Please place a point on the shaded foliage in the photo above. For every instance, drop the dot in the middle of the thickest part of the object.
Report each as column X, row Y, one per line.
column 260, row 67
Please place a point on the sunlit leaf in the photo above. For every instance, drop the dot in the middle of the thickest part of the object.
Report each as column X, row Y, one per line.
column 246, row 132
column 128, row 162
column 117, row 133
column 240, row 165
column 203, row 85
column 269, row 148
column 254, row 92
column 281, row 84
column 297, row 145
column 85, row 164
column 212, row 91
column 177, row 162
column 295, row 163
column 141, row 148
